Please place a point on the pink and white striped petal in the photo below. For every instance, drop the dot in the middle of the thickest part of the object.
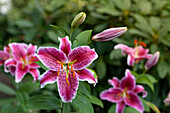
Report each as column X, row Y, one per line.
column 83, row 56
column 114, row 82
column 35, row 74
column 67, row 91
column 51, row 57
column 4, row 55
column 65, row 45
column 19, row 53
column 8, row 63
column 112, row 95
column 31, row 49
column 128, row 82
column 124, row 48
column 21, row 70
column 133, row 100
column 139, row 89
column 49, row 77
column 130, row 60
column 86, row 75
column 12, row 70
column 120, row 106
column 2, row 62
column 7, row 49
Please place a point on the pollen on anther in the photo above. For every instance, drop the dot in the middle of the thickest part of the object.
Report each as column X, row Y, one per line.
column 71, row 68
column 67, row 66
column 58, row 72
column 73, row 74
column 61, row 65
column 67, row 81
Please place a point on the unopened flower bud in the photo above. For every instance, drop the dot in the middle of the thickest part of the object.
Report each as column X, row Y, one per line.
column 167, row 100
column 109, row 34
column 78, row 19
column 152, row 61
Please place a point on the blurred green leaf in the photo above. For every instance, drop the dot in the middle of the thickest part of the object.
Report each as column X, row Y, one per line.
column 47, row 102
column 41, row 65
column 145, row 7
column 53, row 36
column 152, row 106
column 61, row 29
column 85, row 89
column 30, row 35
column 22, row 97
column 6, row 101
column 163, row 69
column 115, row 54
column 82, row 103
column 146, row 79
column 96, row 101
column 101, row 68
column 24, row 24
column 112, row 109
column 153, row 20
column 6, row 89
column 130, row 110
column 109, row 10
column 82, row 38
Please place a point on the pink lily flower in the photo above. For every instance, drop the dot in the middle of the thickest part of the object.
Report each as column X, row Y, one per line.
column 23, row 60
column 5, row 57
column 124, row 92
column 167, row 100
column 67, row 67
column 109, row 34
column 134, row 54
column 152, row 61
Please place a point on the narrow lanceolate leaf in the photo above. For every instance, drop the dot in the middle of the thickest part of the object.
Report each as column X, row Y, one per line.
column 61, row 29
column 47, row 102
column 81, row 103
column 153, row 107
column 85, row 89
column 6, row 89
column 41, row 65
column 96, row 101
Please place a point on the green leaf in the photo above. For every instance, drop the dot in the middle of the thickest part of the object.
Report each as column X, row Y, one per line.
column 22, row 97
column 138, row 33
column 101, row 68
column 6, row 101
column 109, row 10
column 152, row 106
column 61, row 29
column 146, row 107
column 163, row 69
column 41, row 65
column 47, row 102
column 53, row 36
column 154, row 20
column 30, row 34
column 6, row 89
column 146, row 79
column 115, row 54
column 85, row 89
column 130, row 110
column 96, row 101
column 82, row 38
column 82, row 103
column 112, row 109
column 145, row 7
column 24, row 24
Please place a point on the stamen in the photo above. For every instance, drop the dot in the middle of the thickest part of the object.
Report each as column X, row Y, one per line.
column 61, row 65
column 67, row 66
column 71, row 68
column 136, row 42
column 143, row 44
column 58, row 72
column 73, row 74
column 67, row 81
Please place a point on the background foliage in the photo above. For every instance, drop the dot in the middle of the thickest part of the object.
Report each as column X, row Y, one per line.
column 29, row 21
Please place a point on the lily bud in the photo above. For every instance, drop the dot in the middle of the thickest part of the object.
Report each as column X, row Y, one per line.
column 152, row 61
column 109, row 34
column 78, row 19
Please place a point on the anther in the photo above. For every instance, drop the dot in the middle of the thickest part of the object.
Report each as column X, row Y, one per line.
column 61, row 65
column 71, row 68
column 58, row 72
column 143, row 44
column 73, row 74
column 136, row 42
column 67, row 66
column 67, row 81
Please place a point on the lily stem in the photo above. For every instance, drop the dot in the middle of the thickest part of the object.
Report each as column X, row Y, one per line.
column 62, row 107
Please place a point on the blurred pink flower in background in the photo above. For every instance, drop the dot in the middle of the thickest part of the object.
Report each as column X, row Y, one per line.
column 167, row 100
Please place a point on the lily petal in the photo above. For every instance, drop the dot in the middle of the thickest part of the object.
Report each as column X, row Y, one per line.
column 114, row 82
column 31, row 49
column 130, row 60
column 128, row 81
column 133, row 100
column 67, row 91
column 112, row 94
column 83, row 56
column 9, row 62
column 35, row 74
column 140, row 88
column 12, row 70
column 49, row 77
column 2, row 62
column 21, row 70
column 18, row 51
column 65, row 45
column 124, row 48
column 86, row 75
column 120, row 106
column 4, row 55
column 50, row 56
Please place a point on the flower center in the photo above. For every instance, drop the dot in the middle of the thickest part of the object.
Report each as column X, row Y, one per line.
column 66, row 67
